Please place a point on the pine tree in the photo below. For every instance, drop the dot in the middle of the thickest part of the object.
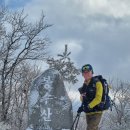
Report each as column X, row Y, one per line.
column 65, row 66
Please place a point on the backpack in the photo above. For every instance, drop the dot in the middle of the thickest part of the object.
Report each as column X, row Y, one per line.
column 106, row 100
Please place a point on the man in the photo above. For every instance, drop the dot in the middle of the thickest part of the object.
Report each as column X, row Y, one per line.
column 91, row 96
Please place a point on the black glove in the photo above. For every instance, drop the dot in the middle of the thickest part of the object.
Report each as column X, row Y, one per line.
column 80, row 109
column 87, row 109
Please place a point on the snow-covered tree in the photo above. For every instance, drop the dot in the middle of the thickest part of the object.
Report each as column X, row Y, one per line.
column 119, row 117
column 20, row 41
column 65, row 66
column 18, row 112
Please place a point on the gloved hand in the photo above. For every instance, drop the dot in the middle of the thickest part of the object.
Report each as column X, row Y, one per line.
column 87, row 109
column 80, row 109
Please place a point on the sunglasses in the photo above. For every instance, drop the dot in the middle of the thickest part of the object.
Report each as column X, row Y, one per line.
column 86, row 69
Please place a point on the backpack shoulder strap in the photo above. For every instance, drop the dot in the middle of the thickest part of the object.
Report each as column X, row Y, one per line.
column 95, row 79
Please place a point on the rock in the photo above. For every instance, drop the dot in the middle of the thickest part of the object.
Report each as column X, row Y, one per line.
column 4, row 126
column 49, row 105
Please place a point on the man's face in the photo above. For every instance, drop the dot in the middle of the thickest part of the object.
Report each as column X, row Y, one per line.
column 87, row 75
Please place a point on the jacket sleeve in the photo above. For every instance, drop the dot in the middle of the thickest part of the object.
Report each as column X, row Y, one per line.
column 98, row 96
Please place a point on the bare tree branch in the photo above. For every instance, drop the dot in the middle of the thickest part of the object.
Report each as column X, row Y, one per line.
column 20, row 41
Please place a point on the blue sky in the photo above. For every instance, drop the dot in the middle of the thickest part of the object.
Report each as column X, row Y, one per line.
column 15, row 4
column 97, row 32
